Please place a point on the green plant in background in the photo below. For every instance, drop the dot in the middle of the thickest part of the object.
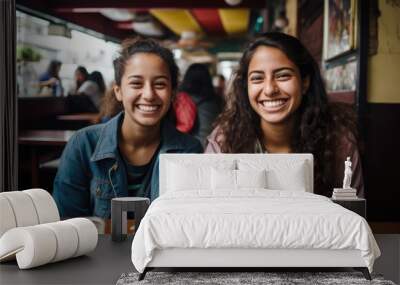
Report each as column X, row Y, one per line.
column 27, row 78
column 25, row 53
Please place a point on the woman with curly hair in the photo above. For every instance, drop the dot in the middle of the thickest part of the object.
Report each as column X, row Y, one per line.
column 278, row 104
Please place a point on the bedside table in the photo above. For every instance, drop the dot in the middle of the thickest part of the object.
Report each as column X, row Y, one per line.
column 358, row 206
column 119, row 208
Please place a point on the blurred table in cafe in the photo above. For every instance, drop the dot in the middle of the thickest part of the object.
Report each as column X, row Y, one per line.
column 37, row 140
column 78, row 120
column 44, row 137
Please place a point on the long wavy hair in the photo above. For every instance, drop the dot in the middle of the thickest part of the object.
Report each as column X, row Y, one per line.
column 319, row 125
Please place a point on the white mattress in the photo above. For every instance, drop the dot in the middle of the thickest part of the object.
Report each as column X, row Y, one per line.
column 252, row 218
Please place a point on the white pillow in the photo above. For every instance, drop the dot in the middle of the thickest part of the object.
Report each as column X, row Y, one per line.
column 183, row 178
column 236, row 179
column 185, row 175
column 281, row 175
column 290, row 179
column 223, row 179
column 251, row 178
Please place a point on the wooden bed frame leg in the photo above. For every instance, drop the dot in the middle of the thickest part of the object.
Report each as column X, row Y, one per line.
column 364, row 271
column 143, row 274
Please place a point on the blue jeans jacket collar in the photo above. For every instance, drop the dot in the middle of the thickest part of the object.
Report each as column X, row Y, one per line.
column 107, row 146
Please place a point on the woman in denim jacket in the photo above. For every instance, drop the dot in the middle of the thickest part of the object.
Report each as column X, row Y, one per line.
column 120, row 158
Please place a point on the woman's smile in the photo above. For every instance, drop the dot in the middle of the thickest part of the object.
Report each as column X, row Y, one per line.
column 149, row 108
column 273, row 105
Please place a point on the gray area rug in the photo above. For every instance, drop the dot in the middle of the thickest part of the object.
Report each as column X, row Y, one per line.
column 273, row 278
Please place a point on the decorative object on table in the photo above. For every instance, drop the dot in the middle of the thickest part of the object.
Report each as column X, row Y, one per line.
column 348, row 173
column 26, row 208
column 244, row 278
column 119, row 208
column 346, row 193
column 33, row 246
column 31, row 231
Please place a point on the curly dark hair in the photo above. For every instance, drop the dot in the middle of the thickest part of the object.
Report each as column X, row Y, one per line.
column 321, row 125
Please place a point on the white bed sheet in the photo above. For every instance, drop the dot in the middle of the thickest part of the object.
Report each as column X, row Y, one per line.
column 251, row 218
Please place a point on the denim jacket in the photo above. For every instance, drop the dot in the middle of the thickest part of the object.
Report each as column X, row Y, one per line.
column 92, row 171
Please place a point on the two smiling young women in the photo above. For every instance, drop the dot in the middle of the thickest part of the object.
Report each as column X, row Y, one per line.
column 278, row 105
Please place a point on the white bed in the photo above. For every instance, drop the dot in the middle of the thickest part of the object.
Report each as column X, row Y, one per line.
column 231, row 210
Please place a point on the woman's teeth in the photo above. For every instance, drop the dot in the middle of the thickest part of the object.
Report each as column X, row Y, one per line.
column 148, row 108
column 273, row 103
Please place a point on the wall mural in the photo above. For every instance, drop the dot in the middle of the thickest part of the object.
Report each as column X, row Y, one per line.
column 340, row 26
column 341, row 77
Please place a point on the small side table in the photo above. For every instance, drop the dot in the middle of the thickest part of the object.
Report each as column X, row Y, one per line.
column 119, row 208
column 357, row 205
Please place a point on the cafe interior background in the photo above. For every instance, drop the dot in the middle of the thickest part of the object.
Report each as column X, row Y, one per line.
column 360, row 68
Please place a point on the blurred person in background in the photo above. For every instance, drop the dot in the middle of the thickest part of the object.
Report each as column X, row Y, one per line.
column 197, row 83
column 94, row 87
column 185, row 112
column 50, row 82
column 89, row 95
column 80, row 76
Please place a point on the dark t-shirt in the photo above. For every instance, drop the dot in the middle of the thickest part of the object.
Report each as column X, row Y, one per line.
column 136, row 176
column 139, row 176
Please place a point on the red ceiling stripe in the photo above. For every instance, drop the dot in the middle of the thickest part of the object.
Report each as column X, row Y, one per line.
column 209, row 20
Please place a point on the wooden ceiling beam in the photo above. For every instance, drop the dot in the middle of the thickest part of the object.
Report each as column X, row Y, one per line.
column 96, row 22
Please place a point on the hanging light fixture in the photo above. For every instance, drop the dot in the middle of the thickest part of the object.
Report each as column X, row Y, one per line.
column 149, row 28
column 119, row 15
column 233, row 2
